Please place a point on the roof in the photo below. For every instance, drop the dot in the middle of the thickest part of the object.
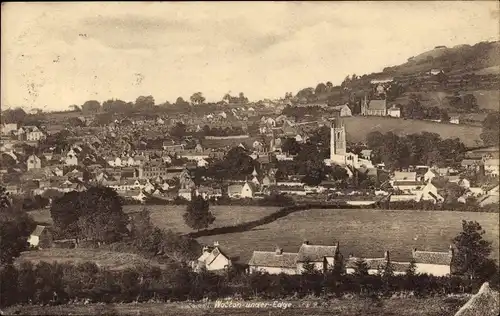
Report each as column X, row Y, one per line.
column 432, row 257
column 403, row 175
column 378, row 263
column 403, row 183
column 38, row 230
column 484, row 303
column 315, row 253
column 272, row 259
column 377, row 105
column 234, row 188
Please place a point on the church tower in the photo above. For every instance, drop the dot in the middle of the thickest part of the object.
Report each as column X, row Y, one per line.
column 338, row 147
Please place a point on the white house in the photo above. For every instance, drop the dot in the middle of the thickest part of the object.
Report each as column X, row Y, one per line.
column 432, row 262
column 248, row 190
column 491, row 166
column 71, row 158
column 41, row 237
column 430, row 174
column 213, row 259
column 394, row 111
column 33, row 162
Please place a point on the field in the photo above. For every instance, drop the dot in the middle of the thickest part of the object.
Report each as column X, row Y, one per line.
column 364, row 232
column 107, row 259
column 357, row 127
column 345, row 307
column 170, row 216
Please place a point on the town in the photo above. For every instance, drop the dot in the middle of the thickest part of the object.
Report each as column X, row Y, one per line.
column 377, row 194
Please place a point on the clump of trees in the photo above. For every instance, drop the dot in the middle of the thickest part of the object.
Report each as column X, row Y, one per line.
column 198, row 215
column 415, row 110
column 491, row 129
column 94, row 214
column 398, row 152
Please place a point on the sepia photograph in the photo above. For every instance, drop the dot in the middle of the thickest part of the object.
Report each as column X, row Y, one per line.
column 275, row 158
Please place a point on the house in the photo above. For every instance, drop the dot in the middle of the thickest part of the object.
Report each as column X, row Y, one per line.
column 320, row 256
column 34, row 134
column 377, row 265
column 41, row 237
column 33, row 162
column 430, row 193
column 432, row 262
column 9, row 128
column 273, row 262
column 491, row 166
column 186, row 194
column 343, row 110
column 374, row 107
column 464, row 183
column 394, row 111
column 213, row 259
column 471, row 164
column 71, row 158
column 403, row 176
column 455, row 120
column 408, row 186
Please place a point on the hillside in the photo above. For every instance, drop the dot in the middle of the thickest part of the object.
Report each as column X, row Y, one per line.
column 357, row 127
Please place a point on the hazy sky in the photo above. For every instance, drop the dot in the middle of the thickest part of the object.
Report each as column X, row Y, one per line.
column 58, row 54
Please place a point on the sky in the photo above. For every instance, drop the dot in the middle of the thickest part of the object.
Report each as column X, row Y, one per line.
column 54, row 55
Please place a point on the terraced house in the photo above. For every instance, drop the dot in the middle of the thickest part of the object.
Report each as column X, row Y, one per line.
column 320, row 257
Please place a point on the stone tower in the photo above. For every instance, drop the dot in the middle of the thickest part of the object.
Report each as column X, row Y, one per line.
column 338, row 146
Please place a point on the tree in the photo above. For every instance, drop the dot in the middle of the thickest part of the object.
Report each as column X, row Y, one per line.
column 320, row 89
column 491, row 129
column 181, row 103
column 16, row 115
column 145, row 102
column 198, row 215
column 94, row 214
column 15, row 228
column 360, row 268
column 412, row 269
column 197, row 98
column 178, row 130
column 291, row 146
column 91, row 106
column 472, row 251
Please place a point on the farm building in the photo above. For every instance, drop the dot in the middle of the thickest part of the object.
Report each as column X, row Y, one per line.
column 212, row 259
column 41, row 237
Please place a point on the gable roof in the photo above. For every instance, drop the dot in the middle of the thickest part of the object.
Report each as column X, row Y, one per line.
column 315, row 253
column 405, row 176
column 38, row 230
column 377, row 105
column 272, row 259
column 432, row 257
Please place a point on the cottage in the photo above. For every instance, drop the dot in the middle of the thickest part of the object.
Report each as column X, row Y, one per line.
column 213, row 259
column 394, row 111
column 374, row 107
column 321, row 257
column 491, row 166
column 376, row 265
column 403, row 176
column 432, row 262
column 343, row 110
column 33, row 162
column 273, row 262
column 41, row 237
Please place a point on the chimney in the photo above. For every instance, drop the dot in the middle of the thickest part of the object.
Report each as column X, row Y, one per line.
column 279, row 251
column 306, row 242
column 386, row 256
column 205, row 249
column 216, row 243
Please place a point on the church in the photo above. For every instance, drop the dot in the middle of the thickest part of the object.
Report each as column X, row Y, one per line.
column 338, row 148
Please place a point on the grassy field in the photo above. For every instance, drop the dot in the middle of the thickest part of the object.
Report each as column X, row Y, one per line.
column 357, row 127
column 345, row 307
column 170, row 216
column 103, row 258
column 366, row 233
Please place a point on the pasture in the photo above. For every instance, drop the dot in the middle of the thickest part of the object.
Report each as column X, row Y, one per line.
column 105, row 259
column 170, row 216
column 363, row 232
column 357, row 127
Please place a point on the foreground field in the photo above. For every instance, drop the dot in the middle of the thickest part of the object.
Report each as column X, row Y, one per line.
column 364, row 232
column 106, row 259
column 469, row 135
column 170, row 216
column 344, row 307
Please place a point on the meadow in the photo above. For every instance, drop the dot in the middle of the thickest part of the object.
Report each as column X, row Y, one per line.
column 357, row 127
column 362, row 232
column 170, row 216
